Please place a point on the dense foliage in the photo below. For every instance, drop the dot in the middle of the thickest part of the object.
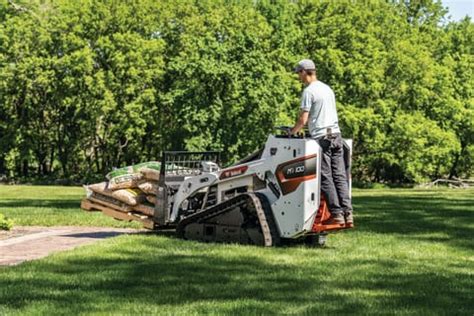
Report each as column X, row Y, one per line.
column 90, row 85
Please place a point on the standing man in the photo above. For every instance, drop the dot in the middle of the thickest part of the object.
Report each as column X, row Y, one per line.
column 318, row 109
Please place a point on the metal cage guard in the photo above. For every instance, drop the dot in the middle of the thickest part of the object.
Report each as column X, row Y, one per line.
column 184, row 163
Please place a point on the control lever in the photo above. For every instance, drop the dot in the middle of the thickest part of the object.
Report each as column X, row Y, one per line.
column 285, row 129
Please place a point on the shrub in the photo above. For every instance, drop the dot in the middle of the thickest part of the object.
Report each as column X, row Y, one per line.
column 5, row 223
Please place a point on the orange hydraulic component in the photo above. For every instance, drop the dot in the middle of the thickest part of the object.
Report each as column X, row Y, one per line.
column 322, row 216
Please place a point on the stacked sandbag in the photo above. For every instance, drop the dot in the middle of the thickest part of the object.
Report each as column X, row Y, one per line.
column 149, row 186
column 138, row 168
column 129, row 194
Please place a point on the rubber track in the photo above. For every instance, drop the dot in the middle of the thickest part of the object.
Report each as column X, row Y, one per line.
column 262, row 209
column 267, row 221
column 210, row 212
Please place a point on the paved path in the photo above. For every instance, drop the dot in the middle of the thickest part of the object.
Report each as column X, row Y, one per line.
column 33, row 242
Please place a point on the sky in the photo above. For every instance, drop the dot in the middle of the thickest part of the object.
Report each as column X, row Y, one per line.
column 458, row 9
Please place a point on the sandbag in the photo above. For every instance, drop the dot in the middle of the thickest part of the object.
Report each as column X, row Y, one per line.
column 109, row 202
column 152, row 199
column 150, row 174
column 101, row 188
column 148, row 187
column 127, row 181
column 134, row 169
column 145, row 208
column 129, row 196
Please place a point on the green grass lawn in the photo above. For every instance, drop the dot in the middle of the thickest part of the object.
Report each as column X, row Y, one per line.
column 51, row 206
column 411, row 254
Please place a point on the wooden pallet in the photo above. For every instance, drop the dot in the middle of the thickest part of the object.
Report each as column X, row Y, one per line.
column 86, row 205
column 90, row 206
column 122, row 207
column 144, row 209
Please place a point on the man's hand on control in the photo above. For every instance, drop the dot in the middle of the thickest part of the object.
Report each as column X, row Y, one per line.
column 302, row 120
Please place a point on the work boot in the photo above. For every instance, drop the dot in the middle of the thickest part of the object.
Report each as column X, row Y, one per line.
column 349, row 218
column 335, row 219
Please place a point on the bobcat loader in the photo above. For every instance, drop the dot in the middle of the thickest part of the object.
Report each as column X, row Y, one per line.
column 270, row 198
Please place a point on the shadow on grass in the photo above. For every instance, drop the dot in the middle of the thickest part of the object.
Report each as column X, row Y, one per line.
column 244, row 285
column 97, row 235
column 72, row 204
column 418, row 217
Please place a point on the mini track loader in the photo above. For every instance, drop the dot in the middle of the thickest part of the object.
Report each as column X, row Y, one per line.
column 271, row 197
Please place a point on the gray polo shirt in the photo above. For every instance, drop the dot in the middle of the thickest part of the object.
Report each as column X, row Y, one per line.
column 318, row 99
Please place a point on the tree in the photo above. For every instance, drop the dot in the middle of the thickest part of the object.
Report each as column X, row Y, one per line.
column 88, row 86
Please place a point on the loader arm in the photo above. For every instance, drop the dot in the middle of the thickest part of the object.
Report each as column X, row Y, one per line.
column 188, row 188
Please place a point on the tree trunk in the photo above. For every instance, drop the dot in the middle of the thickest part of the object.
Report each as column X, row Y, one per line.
column 51, row 160
column 2, row 165
column 453, row 172
column 25, row 167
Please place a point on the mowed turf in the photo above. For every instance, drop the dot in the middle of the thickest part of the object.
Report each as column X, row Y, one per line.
column 411, row 253
column 51, row 206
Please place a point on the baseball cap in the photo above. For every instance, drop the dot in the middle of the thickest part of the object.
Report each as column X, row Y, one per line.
column 305, row 64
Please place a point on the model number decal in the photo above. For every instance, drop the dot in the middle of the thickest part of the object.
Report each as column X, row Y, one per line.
column 294, row 172
column 299, row 168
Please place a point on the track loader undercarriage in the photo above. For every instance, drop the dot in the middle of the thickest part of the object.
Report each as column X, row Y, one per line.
column 246, row 219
